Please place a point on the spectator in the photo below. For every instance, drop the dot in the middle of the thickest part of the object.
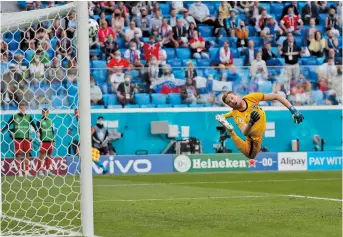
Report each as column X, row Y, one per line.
column 117, row 61
column 124, row 11
column 143, row 22
column 22, row 93
column 267, row 53
column 242, row 34
column 64, row 47
column 219, row 26
column 100, row 137
column 258, row 69
column 55, row 28
column 20, row 68
column 152, row 48
column 178, row 6
column 110, row 47
column 107, row 6
column 197, row 45
column 28, row 36
column 118, row 22
column 291, row 52
column 162, row 56
column 126, row 91
column 71, row 25
column 270, row 31
column 44, row 56
column 55, row 73
column 102, row 18
column 93, row 43
column 153, row 70
column 96, row 93
column 190, row 71
column 261, row 21
column 249, row 53
column 11, row 77
column 137, row 9
column 332, row 21
column 116, row 78
column 155, row 8
column 232, row 23
column 167, row 73
column 293, row 5
column 189, row 93
column 187, row 19
column 104, row 31
column 245, row 6
column 36, row 70
column 165, row 32
column 328, row 76
column 299, row 94
column 191, row 29
column 310, row 11
column 308, row 34
column 132, row 55
column 155, row 22
column 289, row 23
column 322, row 6
column 173, row 18
column 332, row 42
column 317, row 45
column 225, row 57
column 132, row 33
column 180, row 34
column 225, row 8
column 3, row 45
column 332, row 98
column 201, row 13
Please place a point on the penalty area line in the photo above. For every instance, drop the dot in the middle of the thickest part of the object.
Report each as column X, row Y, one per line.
column 316, row 198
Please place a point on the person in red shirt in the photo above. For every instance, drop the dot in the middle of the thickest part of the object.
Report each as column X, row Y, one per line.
column 197, row 44
column 289, row 23
column 104, row 31
column 117, row 61
column 151, row 48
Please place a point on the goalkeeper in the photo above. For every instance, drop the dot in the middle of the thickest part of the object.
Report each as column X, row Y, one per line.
column 251, row 119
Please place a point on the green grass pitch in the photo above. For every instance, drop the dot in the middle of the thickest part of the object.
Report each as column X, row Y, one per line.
column 214, row 204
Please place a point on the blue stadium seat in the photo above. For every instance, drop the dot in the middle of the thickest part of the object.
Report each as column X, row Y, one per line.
column 142, row 98
column 53, row 43
column 180, row 106
column 195, row 105
column 164, row 106
column 257, row 41
column 298, row 40
column 57, row 102
column 114, row 107
column 265, row 87
column 232, row 41
column 205, row 31
column 158, row 99
column 203, row 62
column 110, row 99
column 214, row 53
column 170, row 53
column 147, row 106
column 51, row 53
column 29, row 54
column 265, row 5
column 174, row 99
column 72, row 89
column 252, row 31
column 134, row 74
column 122, row 51
column 73, row 101
column 318, row 97
column 184, row 62
column 13, row 45
column 131, row 106
column 183, row 53
column 309, row 61
column 276, row 9
column 322, row 18
column 120, row 42
column 301, row 5
column 179, row 74
column 339, row 41
column 238, row 62
column 100, row 75
column 165, row 8
column 97, row 107
column 212, row 72
column 175, row 62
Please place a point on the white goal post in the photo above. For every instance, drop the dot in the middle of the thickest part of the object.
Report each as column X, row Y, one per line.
column 12, row 22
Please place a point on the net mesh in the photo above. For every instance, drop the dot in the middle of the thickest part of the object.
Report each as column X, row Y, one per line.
column 41, row 192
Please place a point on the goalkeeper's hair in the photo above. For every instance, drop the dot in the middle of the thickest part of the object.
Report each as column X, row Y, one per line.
column 225, row 95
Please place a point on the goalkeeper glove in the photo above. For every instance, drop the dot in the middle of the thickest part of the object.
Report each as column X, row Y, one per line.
column 296, row 115
column 254, row 117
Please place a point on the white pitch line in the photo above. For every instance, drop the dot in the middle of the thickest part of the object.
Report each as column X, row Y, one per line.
column 44, row 226
column 316, row 198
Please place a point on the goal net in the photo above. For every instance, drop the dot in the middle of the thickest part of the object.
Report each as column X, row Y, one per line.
column 40, row 165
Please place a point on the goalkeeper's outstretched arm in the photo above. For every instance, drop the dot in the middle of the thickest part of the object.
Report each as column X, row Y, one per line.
column 297, row 116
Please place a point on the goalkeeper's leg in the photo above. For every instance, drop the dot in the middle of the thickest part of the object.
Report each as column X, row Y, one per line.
column 249, row 148
column 96, row 160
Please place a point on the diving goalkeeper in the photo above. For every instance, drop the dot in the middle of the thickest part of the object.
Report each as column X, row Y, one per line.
column 251, row 119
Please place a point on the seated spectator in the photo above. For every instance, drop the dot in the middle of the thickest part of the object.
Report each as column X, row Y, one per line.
column 162, row 56
column 155, row 22
column 23, row 93
column 317, row 45
column 118, row 22
column 102, row 18
column 106, row 6
column 138, row 7
column 225, row 8
column 270, row 31
column 245, row 6
column 155, row 8
column 219, row 26
column 232, row 23
column 95, row 93
column 299, row 93
column 190, row 71
column 126, row 91
column 167, row 73
column 197, row 45
column 28, row 35
column 55, row 73
column 173, row 18
column 308, row 34
column 187, row 20
column 124, row 11
column 261, row 21
column 294, row 5
column 180, row 34
column 110, row 47
column 3, row 45
column 332, row 21
column 249, row 53
column 12, row 76
column 151, row 48
column 328, row 76
column 104, row 31
column 189, row 93
column 310, row 11
column 226, row 58
column 116, row 78
column 71, row 25
column 143, row 22
column 291, row 23
column 267, row 53
column 191, row 29
column 117, row 61
column 21, row 69
column 178, row 6
column 36, row 70
column 165, row 32
column 132, row 55
column 332, row 42
column 201, row 13
column 153, row 72
column 258, row 69
column 132, row 33
column 55, row 28
column 242, row 34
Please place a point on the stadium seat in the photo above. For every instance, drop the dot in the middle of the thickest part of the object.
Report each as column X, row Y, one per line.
column 318, row 97
column 164, row 106
column 147, row 106
column 114, row 107
column 97, row 107
column 212, row 72
column 252, row 31
column 53, row 43
column 180, row 106
column 179, row 74
column 183, row 53
column 322, row 18
column 205, row 31
column 309, row 61
column 185, row 61
column 232, row 41
column 265, row 5
column 142, row 98
column 110, row 99
column 195, row 105
column 257, row 41
column 214, row 53
column 298, row 40
column 13, row 45
column 100, row 75
column 170, row 53
column 175, row 62
column 238, row 62
column 203, row 62
column 29, row 54
column 131, row 106
column 120, row 42
column 265, row 87
column 158, row 99
column 174, row 99
column 57, row 102
column 165, row 8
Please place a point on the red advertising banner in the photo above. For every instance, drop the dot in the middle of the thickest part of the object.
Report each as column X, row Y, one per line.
column 9, row 167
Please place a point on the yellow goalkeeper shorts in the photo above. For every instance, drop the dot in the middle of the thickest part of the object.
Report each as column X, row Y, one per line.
column 95, row 154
